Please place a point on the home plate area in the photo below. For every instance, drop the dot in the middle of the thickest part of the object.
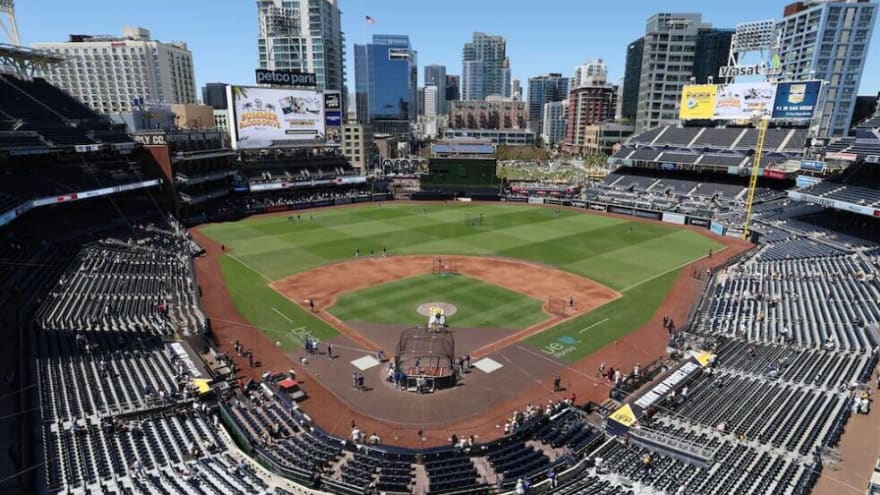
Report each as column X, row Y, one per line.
column 365, row 363
column 488, row 365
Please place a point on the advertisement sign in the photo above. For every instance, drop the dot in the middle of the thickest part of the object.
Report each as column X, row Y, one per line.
column 285, row 77
column 716, row 228
column 742, row 70
column 846, row 157
column 598, row 207
column 796, row 100
column 675, row 218
column 698, row 222
column 812, row 165
column 774, row 174
column 534, row 200
column 832, row 203
column 275, row 117
column 333, row 118
column 698, row 101
column 805, row 181
column 740, row 100
column 332, row 101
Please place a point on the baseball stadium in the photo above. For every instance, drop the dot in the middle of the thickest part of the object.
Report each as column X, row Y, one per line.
column 198, row 311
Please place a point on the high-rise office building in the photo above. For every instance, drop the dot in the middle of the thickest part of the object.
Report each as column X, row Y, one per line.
column 485, row 68
column 553, row 121
column 588, row 104
column 432, row 100
column 828, row 41
column 712, row 52
column 303, row 35
column 118, row 74
column 670, row 51
column 631, row 78
column 516, row 90
column 544, row 89
column 214, row 95
column 588, row 72
column 386, row 78
column 453, row 89
column 435, row 75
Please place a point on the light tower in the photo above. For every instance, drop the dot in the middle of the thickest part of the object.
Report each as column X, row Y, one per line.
column 7, row 21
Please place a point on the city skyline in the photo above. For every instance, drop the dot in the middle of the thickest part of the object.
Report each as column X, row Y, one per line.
column 223, row 41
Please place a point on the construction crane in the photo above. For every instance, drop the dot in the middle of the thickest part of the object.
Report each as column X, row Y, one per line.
column 763, row 123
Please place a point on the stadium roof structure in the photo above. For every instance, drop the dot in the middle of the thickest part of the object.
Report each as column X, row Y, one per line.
column 25, row 60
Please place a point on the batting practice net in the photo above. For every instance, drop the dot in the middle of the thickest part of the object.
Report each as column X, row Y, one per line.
column 557, row 306
column 424, row 353
column 444, row 266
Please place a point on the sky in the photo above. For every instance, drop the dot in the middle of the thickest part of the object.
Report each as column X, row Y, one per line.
column 542, row 37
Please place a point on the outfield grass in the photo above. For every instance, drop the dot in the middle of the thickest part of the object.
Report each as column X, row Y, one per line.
column 479, row 304
column 624, row 255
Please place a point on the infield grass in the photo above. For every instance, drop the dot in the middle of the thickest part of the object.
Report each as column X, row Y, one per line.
column 479, row 304
column 635, row 258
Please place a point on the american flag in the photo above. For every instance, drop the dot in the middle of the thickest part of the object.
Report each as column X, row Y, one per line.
column 369, row 20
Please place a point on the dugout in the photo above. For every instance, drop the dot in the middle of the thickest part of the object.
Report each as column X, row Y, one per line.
column 427, row 358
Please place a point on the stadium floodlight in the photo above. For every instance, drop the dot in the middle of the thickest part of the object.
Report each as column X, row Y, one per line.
column 753, row 36
column 7, row 10
column 7, row 4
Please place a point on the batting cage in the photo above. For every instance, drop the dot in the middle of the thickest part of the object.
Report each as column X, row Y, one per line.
column 473, row 219
column 557, row 306
column 444, row 266
column 426, row 358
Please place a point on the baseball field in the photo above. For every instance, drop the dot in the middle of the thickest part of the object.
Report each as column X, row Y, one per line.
column 637, row 261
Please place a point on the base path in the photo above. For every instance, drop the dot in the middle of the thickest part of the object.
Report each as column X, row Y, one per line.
column 323, row 284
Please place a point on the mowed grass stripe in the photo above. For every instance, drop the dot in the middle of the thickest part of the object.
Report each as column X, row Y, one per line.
column 255, row 300
column 613, row 251
column 479, row 304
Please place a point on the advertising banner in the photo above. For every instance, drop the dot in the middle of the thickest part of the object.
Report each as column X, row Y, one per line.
column 804, row 181
column 716, row 228
column 620, row 211
column 534, row 200
column 333, row 117
column 847, row 157
column 699, row 222
column 698, row 101
column 647, row 214
column 598, row 207
column 796, row 100
column 275, row 117
column 675, row 218
column 774, row 174
column 285, row 77
column 740, row 100
column 579, row 203
column 812, row 166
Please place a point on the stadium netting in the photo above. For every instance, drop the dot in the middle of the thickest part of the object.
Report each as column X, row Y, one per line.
column 424, row 353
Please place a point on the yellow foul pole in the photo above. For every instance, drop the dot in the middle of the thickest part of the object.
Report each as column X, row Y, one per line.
column 753, row 181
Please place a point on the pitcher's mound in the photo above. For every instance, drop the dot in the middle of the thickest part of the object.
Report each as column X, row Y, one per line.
column 426, row 309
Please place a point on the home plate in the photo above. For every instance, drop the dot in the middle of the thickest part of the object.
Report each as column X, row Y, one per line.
column 365, row 363
column 488, row 365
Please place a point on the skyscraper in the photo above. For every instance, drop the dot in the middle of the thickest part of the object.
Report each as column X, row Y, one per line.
column 828, row 41
column 386, row 78
column 214, row 95
column 303, row 35
column 591, row 103
column 485, row 68
column 516, row 90
column 712, row 51
column 631, row 78
column 432, row 100
column 435, row 75
column 544, row 89
column 111, row 73
column 588, row 72
column 453, row 89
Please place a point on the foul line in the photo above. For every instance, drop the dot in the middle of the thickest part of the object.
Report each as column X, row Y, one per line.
column 593, row 325
column 282, row 315
column 249, row 267
column 679, row 267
